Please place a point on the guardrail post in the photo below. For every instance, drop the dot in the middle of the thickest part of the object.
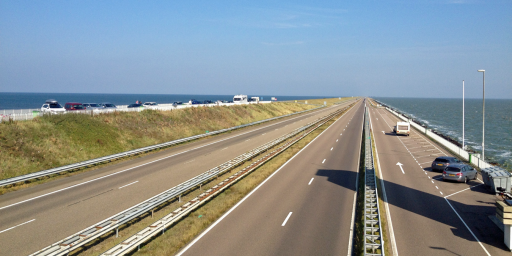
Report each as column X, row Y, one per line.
column 117, row 232
column 179, row 198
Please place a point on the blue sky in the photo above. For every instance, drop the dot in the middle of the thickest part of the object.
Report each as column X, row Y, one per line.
column 366, row 48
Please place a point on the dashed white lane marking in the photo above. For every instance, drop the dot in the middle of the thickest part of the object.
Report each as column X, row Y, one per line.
column 264, row 133
column 323, row 161
column 341, row 134
column 224, row 148
column 441, row 192
column 285, row 220
column 17, row 226
column 332, row 148
column 336, row 140
column 128, row 184
column 432, row 181
column 311, row 181
column 248, row 140
column 437, row 187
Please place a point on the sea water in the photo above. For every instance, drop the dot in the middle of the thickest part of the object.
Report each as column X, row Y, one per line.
column 445, row 116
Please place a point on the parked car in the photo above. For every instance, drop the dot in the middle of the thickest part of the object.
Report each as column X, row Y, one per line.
column 135, row 105
column 53, row 107
column 193, row 102
column 147, row 104
column 92, row 106
column 460, row 173
column 177, row 103
column 108, row 105
column 440, row 163
column 73, row 106
column 207, row 102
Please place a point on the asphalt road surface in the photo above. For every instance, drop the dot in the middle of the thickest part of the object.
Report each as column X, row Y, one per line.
column 430, row 216
column 305, row 208
column 36, row 217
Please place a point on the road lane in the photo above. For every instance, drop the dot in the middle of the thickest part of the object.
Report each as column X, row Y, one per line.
column 61, row 214
column 318, row 214
column 424, row 222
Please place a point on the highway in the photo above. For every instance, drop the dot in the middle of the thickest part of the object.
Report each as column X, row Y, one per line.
column 304, row 208
column 429, row 216
column 39, row 216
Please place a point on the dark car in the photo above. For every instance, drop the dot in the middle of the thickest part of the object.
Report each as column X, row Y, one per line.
column 442, row 162
column 194, row 102
column 177, row 103
column 460, row 173
column 73, row 106
column 135, row 105
column 207, row 102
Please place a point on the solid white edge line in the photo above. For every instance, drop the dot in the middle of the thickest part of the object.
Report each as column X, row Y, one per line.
column 17, row 226
column 476, row 238
column 385, row 198
column 353, row 218
column 154, row 161
column 285, row 220
column 248, row 195
column 311, row 181
column 128, row 184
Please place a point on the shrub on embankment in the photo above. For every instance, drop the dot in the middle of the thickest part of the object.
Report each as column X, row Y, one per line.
column 52, row 141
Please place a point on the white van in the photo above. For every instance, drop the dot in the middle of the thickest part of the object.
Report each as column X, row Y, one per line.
column 402, row 128
column 240, row 99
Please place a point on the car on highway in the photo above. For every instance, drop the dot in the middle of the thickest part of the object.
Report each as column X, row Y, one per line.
column 460, row 173
column 135, row 105
column 92, row 106
column 73, row 106
column 440, row 163
column 108, row 106
column 53, row 107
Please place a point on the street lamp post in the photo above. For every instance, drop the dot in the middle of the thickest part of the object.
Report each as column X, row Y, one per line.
column 463, row 114
column 483, row 117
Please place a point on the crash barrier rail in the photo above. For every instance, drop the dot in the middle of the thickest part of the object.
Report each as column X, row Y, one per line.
column 112, row 223
column 66, row 168
column 373, row 243
column 29, row 114
column 471, row 158
column 160, row 225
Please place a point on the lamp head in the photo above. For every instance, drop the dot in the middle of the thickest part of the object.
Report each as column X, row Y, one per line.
column 481, row 70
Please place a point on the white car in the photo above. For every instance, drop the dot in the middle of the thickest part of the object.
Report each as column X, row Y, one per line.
column 52, row 107
column 150, row 105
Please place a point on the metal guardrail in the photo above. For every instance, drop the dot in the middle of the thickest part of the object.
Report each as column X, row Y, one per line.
column 66, row 168
column 112, row 223
column 373, row 243
column 160, row 225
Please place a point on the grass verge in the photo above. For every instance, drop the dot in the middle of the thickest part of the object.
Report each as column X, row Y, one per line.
column 358, row 245
column 53, row 141
column 178, row 235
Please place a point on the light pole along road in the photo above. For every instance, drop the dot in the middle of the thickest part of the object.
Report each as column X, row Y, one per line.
column 36, row 217
column 305, row 208
column 429, row 216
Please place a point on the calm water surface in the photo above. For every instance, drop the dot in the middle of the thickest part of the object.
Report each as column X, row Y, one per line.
column 445, row 116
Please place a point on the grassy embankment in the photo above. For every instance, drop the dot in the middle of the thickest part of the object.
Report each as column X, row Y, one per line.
column 178, row 235
column 53, row 141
